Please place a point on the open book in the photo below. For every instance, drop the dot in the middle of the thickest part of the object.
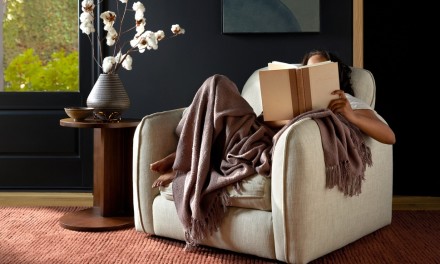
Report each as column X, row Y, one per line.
column 288, row 90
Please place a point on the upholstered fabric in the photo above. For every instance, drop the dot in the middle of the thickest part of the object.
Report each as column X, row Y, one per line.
column 306, row 220
column 254, row 193
column 242, row 230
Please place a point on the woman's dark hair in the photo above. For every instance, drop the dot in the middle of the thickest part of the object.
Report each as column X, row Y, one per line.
column 344, row 69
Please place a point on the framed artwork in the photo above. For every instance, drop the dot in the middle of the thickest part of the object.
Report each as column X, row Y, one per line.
column 270, row 16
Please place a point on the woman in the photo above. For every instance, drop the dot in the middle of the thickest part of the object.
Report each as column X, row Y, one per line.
column 353, row 109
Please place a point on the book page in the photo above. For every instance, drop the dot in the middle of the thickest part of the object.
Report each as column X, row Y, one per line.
column 314, row 64
column 278, row 65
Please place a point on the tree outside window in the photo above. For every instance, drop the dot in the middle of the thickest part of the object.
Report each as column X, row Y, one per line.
column 39, row 46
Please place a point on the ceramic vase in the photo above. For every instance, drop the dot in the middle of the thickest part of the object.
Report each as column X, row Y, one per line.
column 108, row 97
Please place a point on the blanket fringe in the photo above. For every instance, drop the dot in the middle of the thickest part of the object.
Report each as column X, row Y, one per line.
column 341, row 176
column 200, row 229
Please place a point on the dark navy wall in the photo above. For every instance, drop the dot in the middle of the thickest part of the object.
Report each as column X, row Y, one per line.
column 168, row 77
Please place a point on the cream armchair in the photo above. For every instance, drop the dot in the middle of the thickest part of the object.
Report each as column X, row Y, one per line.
column 304, row 221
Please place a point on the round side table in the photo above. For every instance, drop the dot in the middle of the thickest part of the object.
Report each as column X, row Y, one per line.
column 112, row 177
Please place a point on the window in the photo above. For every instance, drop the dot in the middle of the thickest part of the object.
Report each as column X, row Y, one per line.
column 39, row 47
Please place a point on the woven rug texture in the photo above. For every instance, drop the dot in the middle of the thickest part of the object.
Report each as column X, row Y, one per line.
column 33, row 235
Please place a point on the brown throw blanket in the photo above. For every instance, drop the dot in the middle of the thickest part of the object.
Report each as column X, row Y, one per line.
column 345, row 153
column 221, row 142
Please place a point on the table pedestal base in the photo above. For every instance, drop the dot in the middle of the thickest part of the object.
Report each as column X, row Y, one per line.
column 91, row 220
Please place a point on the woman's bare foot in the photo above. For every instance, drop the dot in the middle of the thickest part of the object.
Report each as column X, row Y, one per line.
column 164, row 165
column 164, row 179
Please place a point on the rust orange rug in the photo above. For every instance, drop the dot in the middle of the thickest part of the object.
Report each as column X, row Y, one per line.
column 33, row 235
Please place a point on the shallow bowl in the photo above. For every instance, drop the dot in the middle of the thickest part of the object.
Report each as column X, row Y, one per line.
column 78, row 113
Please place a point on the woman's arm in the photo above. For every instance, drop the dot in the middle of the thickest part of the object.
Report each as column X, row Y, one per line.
column 365, row 119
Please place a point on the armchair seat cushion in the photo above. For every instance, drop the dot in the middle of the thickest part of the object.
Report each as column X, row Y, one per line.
column 253, row 193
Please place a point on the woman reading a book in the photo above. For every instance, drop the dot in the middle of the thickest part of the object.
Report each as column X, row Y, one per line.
column 354, row 110
column 222, row 141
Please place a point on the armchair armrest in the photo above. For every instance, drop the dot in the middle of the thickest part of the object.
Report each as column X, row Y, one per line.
column 310, row 219
column 153, row 139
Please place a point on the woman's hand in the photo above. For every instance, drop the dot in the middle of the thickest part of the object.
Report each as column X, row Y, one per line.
column 341, row 105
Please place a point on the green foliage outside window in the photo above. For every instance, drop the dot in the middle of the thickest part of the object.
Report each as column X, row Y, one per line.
column 27, row 73
column 40, row 44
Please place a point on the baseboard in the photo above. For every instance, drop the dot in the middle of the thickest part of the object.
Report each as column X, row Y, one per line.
column 86, row 199
column 416, row 203
column 45, row 199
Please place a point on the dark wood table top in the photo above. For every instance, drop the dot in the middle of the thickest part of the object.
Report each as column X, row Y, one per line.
column 96, row 123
